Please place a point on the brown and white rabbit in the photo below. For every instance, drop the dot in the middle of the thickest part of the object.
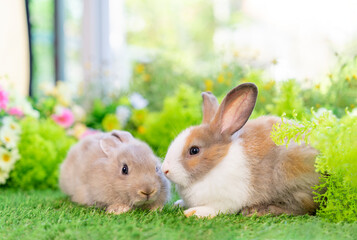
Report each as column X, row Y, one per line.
column 229, row 165
column 116, row 171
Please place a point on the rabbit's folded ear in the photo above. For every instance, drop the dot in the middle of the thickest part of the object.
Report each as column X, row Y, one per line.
column 209, row 106
column 109, row 143
column 123, row 136
column 235, row 108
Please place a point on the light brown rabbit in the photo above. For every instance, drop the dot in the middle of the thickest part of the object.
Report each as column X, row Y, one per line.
column 116, row 171
column 229, row 165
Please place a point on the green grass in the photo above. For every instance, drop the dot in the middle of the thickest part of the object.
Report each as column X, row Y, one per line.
column 50, row 215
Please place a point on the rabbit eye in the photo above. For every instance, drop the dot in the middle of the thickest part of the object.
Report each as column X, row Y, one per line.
column 157, row 169
column 125, row 170
column 194, row 150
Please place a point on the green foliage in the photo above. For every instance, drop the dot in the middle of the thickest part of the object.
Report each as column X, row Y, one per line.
column 43, row 146
column 179, row 111
column 160, row 78
column 288, row 101
column 336, row 139
column 98, row 112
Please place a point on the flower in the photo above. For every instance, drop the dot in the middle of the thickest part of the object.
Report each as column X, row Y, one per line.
column 138, row 101
column 141, row 129
column 8, row 137
column 110, row 122
column 15, row 112
column 8, row 158
column 147, row 78
column 8, row 122
column 79, row 129
column 3, row 176
column 220, row 78
column 79, row 113
column 209, row 84
column 65, row 117
column 140, row 68
column 88, row 132
column 4, row 99
column 123, row 114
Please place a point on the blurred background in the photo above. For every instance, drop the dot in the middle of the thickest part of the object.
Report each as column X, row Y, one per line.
column 98, row 42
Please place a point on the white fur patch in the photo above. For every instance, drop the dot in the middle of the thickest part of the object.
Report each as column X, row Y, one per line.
column 225, row 188
column 172, row 162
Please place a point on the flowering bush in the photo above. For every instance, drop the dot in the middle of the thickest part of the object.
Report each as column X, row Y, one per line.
column 12, row 108
column 58, row 103
column 9, row 153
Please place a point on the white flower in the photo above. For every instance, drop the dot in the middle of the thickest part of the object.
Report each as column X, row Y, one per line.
column 8, row 122
column 3, row 176
column 79, row 113
column 8, row 137
column 123, row 114
column 28, row 110
column 8, row 158
column 138, row 101
column 354, row 113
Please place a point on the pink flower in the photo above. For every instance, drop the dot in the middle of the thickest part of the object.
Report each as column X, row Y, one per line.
column 4, row 99
column 15, row 112
column 89, row 132
column 65, row 118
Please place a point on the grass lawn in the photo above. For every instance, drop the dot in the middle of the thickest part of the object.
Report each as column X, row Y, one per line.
column 50, row 215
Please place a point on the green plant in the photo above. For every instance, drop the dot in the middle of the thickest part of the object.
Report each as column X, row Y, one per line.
column 179, row 111
column 43, row 146
column 336, row 139
column 288, row 101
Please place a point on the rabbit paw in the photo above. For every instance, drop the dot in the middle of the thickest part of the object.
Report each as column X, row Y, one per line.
column 179, row 203
column 117, row 209
column 201, row 212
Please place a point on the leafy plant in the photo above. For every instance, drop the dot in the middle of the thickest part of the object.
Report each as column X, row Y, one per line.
column 179, row 111
column 336, row 139
column 43, row 146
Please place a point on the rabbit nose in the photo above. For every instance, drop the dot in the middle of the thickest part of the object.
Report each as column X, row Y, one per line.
column 147, row 193
column 165, row 168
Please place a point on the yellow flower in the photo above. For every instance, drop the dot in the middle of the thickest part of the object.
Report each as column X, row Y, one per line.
column 318, row 105
column 352, row 106
column 269, row 85
column 140, row 68
column 330, row 75
column 147, row 78
column 209, row 84
column 348, row 79
column 141, row 129
column 354, row 76
column 110, row 122
column 236, row 53
column 263, row 99
column 79, row 129
column 317, row 86
column 274, row 61
column 220, row 78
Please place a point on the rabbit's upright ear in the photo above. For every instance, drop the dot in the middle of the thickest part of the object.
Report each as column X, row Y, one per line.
column 235, row 109
column 209, row 106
